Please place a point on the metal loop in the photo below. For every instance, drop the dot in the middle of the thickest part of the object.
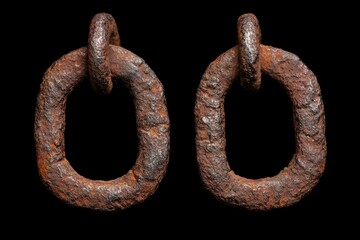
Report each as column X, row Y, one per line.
column 308, row 163
column 103, row 31
column 249, row 39
column 152, row 119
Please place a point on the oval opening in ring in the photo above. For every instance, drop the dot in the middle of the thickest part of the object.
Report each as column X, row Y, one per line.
column 259, row 129
column 100, row 135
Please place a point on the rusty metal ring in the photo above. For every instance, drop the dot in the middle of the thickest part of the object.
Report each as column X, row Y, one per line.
column 103, row 31
column 249, row 38
column 307, row 165
column 143, row 178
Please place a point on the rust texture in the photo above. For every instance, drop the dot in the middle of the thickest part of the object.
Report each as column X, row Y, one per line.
column 249, row 39
column 103, row 31
column 307, row 165
column 56, row 172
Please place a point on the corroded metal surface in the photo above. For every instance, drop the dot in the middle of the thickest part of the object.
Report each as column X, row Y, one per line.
column 153, row 133
column 249, row 39
column 103, row 31
column 307, row 165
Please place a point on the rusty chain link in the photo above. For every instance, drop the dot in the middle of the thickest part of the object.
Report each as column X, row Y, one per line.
column 249, row 36
column 105, row 61
column 103, row 31
column 307, row 165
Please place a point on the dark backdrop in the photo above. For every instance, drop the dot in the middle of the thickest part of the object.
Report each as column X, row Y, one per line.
column 179, row 41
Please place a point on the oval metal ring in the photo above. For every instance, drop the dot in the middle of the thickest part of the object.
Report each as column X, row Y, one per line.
column 103, row 32
column 56, row 172
column 308, row 162
column 249, row 38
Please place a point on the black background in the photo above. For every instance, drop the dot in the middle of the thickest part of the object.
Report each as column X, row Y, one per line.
column 179, row 41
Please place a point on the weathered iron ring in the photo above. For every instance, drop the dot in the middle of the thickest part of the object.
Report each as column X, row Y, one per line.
column 103, row 32
column 153, row 133
column 307, row 165
column 249, row 39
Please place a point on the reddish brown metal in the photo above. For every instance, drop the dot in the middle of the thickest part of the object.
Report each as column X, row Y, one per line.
column 307, row 165
column 249, row 39
column 143, row 178
column 103, row 31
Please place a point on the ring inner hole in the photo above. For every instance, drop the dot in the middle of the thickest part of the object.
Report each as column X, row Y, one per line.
column 100, row 136
column 260, row 139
